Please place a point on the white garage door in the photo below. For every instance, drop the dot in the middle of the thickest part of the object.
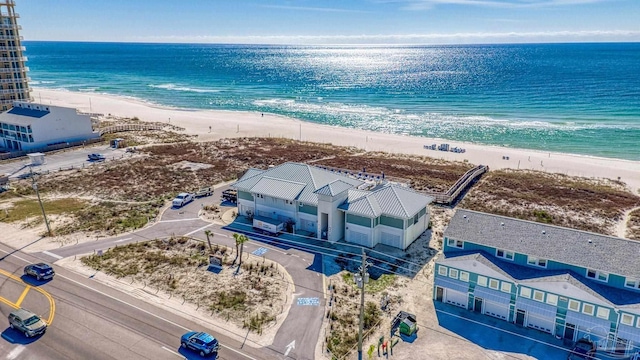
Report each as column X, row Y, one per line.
column 456, row 298
column 391, row 239
column 500, row 311
column 541, row 323
column 357, row 238
column 308, row 225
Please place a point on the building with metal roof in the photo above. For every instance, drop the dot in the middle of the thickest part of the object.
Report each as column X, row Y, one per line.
column 568, row 283
column 27, row 126
column 332, row 206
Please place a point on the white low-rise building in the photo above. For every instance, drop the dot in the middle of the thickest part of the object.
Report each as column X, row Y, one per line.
column 29, row 126
column 331, row 206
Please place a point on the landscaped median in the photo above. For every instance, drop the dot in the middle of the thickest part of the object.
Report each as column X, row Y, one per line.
column 252, row 298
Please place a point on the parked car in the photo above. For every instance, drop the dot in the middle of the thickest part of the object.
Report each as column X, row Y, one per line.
column 583, row 349
column 182, row 199
column 95, row 157
column 230, row 195
column 200, row 342
column 205, row 191
column 27, row 322
column 40, row 271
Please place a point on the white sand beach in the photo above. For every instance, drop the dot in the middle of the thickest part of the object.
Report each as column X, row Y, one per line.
column 225, row 124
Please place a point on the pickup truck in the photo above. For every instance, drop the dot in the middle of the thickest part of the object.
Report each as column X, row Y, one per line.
column 205, row 191
column 96, row 157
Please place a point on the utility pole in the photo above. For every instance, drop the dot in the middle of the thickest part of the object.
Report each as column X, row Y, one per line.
column 35, row 187
column 364, row 278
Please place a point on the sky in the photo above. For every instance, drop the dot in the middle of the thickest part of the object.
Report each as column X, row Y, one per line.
column 331, row 21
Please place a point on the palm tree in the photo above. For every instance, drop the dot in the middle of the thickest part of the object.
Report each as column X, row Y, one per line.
column 240, row 240
column 208, row 233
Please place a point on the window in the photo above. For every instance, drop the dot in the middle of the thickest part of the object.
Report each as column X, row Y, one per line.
column 552, row 299
column 464, row 276
column 587, row 309
column 482, row 281
column 538, row 295
column 525, row 292
column 455, row 243
column 597, row 275
column 536, row 261
column 453, row 273
column 638, row 322
column 602, row 313
column 504, row 254
column 574, row 305
column 505, row 287
column 632, row 283
column 493, row 283
column 626, row 319
column 442, row 270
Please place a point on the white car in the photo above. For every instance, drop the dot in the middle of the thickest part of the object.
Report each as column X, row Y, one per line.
column 182, row 199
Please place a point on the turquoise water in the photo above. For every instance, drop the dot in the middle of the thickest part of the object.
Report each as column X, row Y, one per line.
column 572, row 98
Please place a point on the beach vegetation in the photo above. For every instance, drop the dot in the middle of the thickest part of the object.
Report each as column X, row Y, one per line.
column 633, row 225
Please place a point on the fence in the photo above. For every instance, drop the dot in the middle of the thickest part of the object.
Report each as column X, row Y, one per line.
column 49, row 148
column 454, row 191
column 130, row 127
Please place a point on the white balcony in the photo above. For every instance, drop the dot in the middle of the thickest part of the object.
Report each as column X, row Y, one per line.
column 11, row 37
column 12, row 48
column 14, row 81
column 13, row 58
column 10, row 26
column 14, row 70
column 13, row 91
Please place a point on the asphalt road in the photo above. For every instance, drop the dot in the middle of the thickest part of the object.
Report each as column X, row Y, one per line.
column 93, row 321
column 76, row 157
column 298, row 335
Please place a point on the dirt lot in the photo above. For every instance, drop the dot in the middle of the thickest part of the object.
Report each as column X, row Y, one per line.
column 251, row 299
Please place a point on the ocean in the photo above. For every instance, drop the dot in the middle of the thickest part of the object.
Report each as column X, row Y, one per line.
column 571, row 98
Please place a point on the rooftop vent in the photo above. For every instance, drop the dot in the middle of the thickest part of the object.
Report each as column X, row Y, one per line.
column 590, row 241
column 543, row 232
column 464, row 216
column 501, row 224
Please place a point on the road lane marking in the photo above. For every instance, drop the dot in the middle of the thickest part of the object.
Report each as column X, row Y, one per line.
column 52, row 303
column 224, row 235
column 13, row 354
column 52, row 255
column 121, row 240
column 22, row 296
column 173, row 352
column 196, row 230
column 178, row 220
column 147, row 312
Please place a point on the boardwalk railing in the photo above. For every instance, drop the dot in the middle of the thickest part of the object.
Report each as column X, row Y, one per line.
column 454, row 191
column 129, row 127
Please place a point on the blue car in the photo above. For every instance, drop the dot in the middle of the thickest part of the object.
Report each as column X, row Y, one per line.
column 40, row 271
column 200, row 342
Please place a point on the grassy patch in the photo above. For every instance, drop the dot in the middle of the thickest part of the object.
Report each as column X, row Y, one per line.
column 579, row 203
column 27, row 208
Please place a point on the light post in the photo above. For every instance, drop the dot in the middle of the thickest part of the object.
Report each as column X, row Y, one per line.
column 44, row 214
column 361, row 279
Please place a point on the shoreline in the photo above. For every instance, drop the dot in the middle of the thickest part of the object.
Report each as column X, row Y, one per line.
column 228, row 123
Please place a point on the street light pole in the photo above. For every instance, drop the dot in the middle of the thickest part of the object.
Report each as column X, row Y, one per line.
column 364, row 276
column 44, row 214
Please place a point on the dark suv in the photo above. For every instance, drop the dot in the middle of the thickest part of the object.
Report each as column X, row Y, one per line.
column 40, row 271
column 583, row 349
column 200, row 342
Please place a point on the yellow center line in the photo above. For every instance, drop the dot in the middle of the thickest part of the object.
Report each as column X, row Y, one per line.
column 22, row 296
column 52, row 304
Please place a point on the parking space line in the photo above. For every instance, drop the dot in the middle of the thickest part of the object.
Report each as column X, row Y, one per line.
column 177, row 220
column 196, row 230
column 173, row 352
column 52, row 255
column 22, row 296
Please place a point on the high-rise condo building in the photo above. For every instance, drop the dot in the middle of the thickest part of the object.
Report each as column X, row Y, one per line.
column 13, row 72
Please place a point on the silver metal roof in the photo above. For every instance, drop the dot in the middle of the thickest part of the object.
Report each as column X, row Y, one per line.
column 564, row 245
column 281, row 189
column 391, row 200
column 314, row 178
column 334, row 188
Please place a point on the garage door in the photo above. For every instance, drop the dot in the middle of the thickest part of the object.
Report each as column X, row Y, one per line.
column 391, row 239
column 456, row 298
column 356, row 237
column 541, row 323
column 500, row 311
column 308, row 225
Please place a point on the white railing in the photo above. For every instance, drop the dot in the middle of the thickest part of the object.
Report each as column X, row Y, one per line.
column 13, row 58
column 12, row 48
column 14, row 81
column 11, row 37
column 14, row 70
column 10, row 26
